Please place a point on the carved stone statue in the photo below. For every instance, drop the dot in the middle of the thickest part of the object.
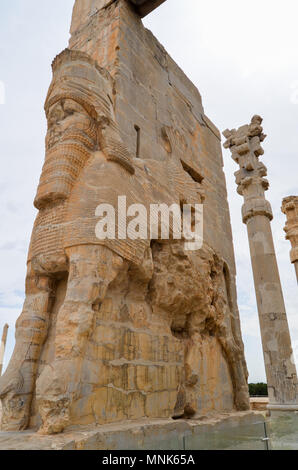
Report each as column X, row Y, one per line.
column 119, row 329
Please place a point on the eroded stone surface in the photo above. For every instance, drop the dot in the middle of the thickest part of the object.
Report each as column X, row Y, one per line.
column 115, row 330
column 216, row 432
column 290, row 209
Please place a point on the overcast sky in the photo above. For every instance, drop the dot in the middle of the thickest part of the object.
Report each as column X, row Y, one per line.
column 243, row 61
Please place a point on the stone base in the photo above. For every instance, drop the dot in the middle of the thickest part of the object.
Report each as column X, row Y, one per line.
column 276, row 408
column 242, row 430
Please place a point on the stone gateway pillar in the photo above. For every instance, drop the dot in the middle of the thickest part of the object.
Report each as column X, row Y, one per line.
column 245, row 146
column 124, row 328
column 290, row 209
column 2, row 346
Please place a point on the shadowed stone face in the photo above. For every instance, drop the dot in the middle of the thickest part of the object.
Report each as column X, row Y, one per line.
column 144, row 7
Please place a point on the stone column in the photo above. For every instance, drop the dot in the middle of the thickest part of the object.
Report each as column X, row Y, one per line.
column 245, row 146
column 2, row 347
column 290, row 209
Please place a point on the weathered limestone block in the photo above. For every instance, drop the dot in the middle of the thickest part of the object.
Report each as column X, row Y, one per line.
column 259, row 403
column 290, row 209
column 122, row 329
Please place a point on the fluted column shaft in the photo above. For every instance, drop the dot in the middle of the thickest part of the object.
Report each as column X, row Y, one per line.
column 245, row 145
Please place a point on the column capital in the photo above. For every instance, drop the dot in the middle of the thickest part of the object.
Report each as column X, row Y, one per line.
column 290, row 209
column 245, row 146
column 144, row 7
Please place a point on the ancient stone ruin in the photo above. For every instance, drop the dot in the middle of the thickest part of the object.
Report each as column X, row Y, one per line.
column 246, row 149
column 290, row 209
column 124, row 329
